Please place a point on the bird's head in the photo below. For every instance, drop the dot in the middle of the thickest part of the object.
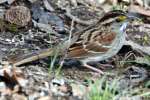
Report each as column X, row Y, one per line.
column 117, row 19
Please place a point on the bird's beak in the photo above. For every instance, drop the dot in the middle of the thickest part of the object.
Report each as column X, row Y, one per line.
column 128, row 18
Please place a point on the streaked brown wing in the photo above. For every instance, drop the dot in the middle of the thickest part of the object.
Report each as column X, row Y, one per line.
column 106, row 39
column 94, row 47
column 99, row 42
column 97, row 45
column 77, row 51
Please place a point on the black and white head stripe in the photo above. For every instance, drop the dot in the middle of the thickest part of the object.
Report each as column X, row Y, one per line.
column 112, row 14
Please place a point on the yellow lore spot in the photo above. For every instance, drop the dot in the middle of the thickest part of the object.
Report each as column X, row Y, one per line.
column 122, row 18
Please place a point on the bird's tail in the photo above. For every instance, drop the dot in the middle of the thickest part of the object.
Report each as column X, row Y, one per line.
column 26, row 58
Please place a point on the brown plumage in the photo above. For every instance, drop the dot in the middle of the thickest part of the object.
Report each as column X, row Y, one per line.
column 95, row 43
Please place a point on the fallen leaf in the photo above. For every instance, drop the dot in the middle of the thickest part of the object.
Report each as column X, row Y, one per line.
column 139, row 10
column 140, row 2
column 18, row 97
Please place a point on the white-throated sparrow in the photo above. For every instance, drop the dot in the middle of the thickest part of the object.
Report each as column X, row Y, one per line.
column 95, row 43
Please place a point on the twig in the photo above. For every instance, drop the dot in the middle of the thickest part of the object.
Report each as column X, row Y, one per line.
column 89, row 22
column 48, row 6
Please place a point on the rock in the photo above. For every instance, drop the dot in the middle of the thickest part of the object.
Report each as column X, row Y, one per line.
column 53, row 20
column 47, row 18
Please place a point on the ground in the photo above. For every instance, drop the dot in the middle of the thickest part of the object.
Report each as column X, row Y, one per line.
column 45, row 24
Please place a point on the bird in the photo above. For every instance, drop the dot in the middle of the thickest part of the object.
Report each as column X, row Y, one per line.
column 97, row 42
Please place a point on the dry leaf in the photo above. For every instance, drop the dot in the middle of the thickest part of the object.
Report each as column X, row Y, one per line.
column 18, row 97
column 138, row 9
column 114, row 2
column 12, row 79
column 79, row 90
column 45, row 98
column 140, row 2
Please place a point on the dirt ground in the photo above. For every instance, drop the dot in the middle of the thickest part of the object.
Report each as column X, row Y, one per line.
column 28, row 28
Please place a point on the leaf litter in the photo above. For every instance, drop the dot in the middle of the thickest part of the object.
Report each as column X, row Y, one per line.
column 49, row 24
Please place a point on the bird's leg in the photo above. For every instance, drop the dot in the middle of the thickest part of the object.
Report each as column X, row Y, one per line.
column 93, row 68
